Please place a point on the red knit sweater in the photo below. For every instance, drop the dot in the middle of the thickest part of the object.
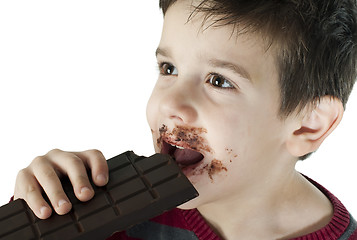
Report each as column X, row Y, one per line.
column 189, row 224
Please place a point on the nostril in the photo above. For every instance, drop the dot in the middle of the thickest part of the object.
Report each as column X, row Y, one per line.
column 178, row 107
column 184, row 113
column 174, row 117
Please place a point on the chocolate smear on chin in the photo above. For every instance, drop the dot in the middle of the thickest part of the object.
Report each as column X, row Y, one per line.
column 211, row 169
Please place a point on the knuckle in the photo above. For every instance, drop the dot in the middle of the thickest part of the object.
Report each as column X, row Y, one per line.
column 23, row 173
column 23, row 184
column 50, row 174
column 76, row 162
column 54, row 151
column 95, row 153
column 20, row 178
column 30, row 189
column 39, row 160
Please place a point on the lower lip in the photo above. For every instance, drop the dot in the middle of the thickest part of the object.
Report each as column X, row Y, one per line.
column 194, row 169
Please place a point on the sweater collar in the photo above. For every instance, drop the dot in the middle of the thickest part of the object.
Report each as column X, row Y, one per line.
column 340, row 224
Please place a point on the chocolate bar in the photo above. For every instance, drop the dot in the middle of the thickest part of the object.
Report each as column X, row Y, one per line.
column 139, row 188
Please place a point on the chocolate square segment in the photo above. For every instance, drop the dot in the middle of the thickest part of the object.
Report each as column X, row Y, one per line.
column 139, row 188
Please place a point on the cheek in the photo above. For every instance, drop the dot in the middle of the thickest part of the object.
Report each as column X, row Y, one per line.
column 258, row 139
column 151, row 117
column 226, row 136
column 237, row 135
column 151, row 110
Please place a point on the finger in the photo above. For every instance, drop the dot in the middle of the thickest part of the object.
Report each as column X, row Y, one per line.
column 97, row 164
column 47, row 177
column 27, row 188
column 74, row 167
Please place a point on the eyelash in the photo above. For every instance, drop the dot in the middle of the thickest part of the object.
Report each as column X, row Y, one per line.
column 209, row 78
column 225, row 81
column 161, row 66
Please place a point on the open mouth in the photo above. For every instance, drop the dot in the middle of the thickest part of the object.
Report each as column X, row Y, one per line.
column 183, row 156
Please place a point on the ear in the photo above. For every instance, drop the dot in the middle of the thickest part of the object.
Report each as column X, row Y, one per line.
column 315, row 126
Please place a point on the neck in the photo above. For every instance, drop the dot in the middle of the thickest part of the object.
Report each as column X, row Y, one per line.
column 283, row 206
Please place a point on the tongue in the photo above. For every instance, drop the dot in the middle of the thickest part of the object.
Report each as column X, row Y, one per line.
column 187, row 156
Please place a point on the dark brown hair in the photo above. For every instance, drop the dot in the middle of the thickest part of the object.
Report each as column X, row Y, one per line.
column 315, row 42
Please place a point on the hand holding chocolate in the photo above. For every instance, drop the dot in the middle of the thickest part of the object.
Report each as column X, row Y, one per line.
column 139, row 188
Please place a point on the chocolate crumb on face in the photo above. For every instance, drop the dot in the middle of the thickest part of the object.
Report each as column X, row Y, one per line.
column 215, row 167
column 163, row 128
column 229, row 150
column 162, row 131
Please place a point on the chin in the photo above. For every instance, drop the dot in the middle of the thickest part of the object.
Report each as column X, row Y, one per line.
column 192, row 204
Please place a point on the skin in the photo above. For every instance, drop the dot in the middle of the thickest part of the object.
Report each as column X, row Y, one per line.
column 244, row 131
column 247, row 178
column 43, row 175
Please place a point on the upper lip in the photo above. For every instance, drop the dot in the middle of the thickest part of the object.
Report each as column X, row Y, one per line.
column 183, row 137
column 177, row 146
column 180, row 144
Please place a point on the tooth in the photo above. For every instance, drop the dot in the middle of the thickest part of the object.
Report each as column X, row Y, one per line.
column 177, row 146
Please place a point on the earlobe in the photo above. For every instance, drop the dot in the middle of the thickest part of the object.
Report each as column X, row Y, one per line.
column 315, row 126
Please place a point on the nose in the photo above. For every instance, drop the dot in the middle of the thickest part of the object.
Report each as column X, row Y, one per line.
column 178, row 104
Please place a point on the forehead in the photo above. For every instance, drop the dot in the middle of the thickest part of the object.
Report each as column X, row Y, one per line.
column 191, row 34
column 184, row 13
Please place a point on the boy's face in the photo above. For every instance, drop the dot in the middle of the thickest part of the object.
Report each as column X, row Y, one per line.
column 217, row 94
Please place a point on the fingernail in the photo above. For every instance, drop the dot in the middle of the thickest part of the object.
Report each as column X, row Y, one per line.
column 84, row 189
column 43, row 210
column 101, row 179
column 61, row 202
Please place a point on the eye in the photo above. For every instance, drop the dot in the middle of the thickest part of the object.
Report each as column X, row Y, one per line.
column 167, row 69
column 219, row 81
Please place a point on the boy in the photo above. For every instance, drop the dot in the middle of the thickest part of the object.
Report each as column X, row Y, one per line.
column 246, row 89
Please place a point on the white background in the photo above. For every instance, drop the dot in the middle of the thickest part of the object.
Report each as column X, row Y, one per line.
column 76, row 75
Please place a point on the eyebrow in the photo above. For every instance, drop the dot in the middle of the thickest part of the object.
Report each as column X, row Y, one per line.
column 214, row 63
column 230, row 66
column 161, row 51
